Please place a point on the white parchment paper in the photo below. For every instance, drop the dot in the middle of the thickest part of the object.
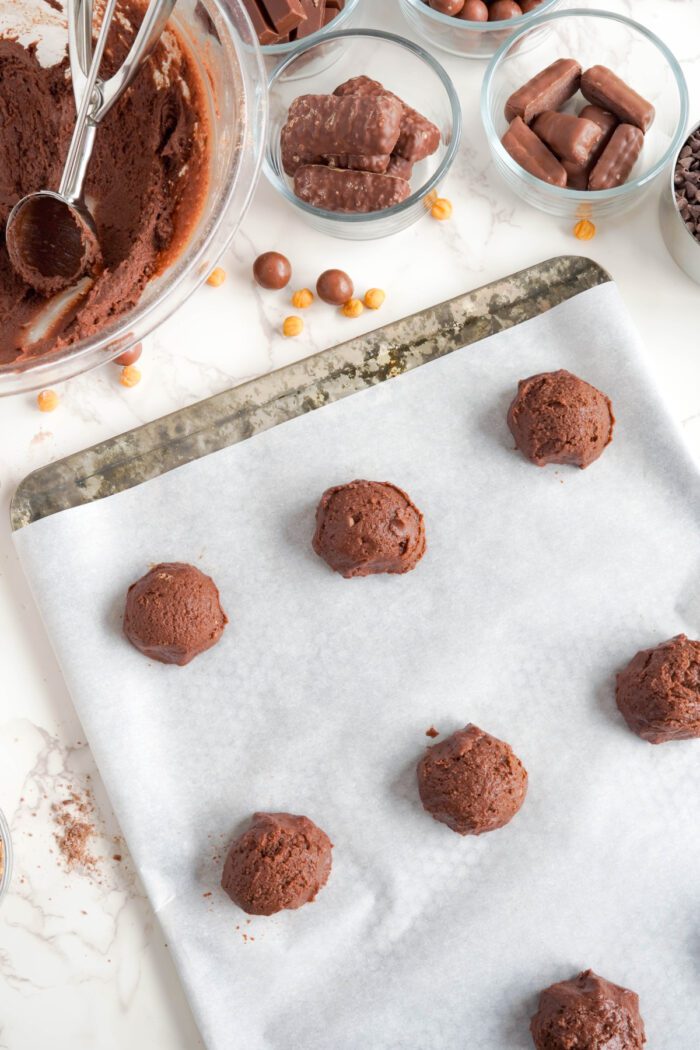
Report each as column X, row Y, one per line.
column 537, row 586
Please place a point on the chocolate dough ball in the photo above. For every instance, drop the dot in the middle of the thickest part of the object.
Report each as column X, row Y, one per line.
column 658, row 692
column 281, row 861
column 587, row 1013
column 173, row 613
column 558, row 418
column 366, row 527
column 472, row 782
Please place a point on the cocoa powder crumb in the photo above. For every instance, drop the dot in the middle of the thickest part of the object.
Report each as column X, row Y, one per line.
column 432, row 732
column 116, row 856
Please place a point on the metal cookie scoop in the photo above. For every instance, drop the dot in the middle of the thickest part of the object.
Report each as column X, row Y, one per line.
column 51, row 236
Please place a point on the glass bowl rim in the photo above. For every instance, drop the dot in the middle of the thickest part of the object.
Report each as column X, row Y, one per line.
column 561, row 192
column 315, row 38
column 6, row 839
column 480, row 27
column 427, row 187
column 74, row 355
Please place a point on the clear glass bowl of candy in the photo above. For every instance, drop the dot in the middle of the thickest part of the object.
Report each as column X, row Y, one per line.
column 471, row 28
column 363, row 128
column 581, row 124
column 281, row 25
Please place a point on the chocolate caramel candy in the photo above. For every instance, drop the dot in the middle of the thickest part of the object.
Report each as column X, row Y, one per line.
column 326, row 124
column 531, row 153
column 570, row 138
column 418, row 136
column 618, row 158
column 358, row 162
column 342, row 190
column 604, row 88
column 549, row 89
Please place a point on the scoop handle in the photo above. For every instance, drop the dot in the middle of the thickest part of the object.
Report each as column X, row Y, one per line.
column 150, row 32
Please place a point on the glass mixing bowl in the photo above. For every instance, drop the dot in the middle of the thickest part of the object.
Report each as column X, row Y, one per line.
column 404, row 68
column 466, row 39
column 5, row 856
column 593, row 38
column 221, row 43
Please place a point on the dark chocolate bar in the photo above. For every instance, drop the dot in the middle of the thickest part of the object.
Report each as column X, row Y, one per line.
column 341, row 190
column 325, row 124
column 549, row 89
column 315, row 12
column 264, row 29
column 571, row 138
column 419, row 137
column 618, row 158
column 285, row 15
column 604, row 88
column 531, row 153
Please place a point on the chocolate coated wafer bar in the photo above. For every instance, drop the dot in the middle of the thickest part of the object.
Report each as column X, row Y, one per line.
column 341, row 190
column 578, row 174
column 399, row 166
column 549, row 89
column 418, row 138
column 618, row 158
column 571, row 138
column 358, row 162
column 604, row 88
column 326, row 124
column 531, row 153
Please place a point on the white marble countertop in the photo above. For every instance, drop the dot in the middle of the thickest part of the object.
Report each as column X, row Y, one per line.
column 83, row 965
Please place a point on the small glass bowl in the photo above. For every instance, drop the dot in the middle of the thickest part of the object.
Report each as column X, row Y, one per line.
column 466, row 39
column 6, row 858
column 681, row 243
column 404, row 68
column 593, row 38
column 343, row 20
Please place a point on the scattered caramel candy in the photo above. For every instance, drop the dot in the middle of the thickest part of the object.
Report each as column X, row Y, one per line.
column 129, row 357
column 585, row 230
column 302, row 299
column 374, row 298
column 130, row 376
column 47, row 400
column 292, row 326
column 441, row 209
column 217, row 277
column 352, row 308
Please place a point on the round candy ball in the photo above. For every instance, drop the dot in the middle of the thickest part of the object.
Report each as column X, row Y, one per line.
column 335, row 287
column 474, row 11
column 272, row 271
column 280, row 862
column 503, row 10
column 447, row 7
column 556, row 417
column 173, row 613
column 472, row 782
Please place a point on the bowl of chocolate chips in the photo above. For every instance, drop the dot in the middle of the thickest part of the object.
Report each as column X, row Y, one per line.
column 363, row 128
column 680, row 207
column 581, row 124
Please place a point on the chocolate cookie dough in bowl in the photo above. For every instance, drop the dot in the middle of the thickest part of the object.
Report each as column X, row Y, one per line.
column 174, row 168
column 398, row 127
column 590, row 40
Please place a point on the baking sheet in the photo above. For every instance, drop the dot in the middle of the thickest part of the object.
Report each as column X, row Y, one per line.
column 537, row 586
